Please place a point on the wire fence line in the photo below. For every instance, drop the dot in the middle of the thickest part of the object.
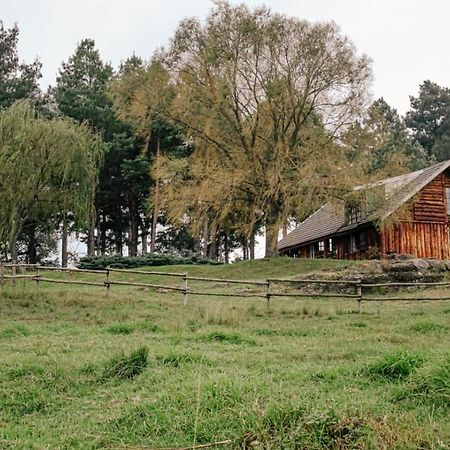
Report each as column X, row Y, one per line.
column 267, row 289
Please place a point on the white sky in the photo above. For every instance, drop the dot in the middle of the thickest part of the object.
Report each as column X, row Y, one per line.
column 406, row 39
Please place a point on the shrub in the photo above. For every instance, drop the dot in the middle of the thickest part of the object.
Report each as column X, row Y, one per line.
column 126, row 366
column 394, row 366
column 130, row 262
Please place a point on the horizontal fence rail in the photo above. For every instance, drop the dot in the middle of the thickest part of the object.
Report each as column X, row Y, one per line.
column 268, row 289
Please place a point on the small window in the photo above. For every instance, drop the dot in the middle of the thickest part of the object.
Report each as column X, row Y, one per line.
column 321, row 246
column 352, row 245
column 330, row 245
column 354, row 214
column 363, row 241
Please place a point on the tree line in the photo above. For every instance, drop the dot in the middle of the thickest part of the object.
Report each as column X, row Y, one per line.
column 245, row 122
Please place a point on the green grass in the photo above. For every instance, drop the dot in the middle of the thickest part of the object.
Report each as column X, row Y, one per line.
column 394, row 366
column 136, row 368
column 126, row 366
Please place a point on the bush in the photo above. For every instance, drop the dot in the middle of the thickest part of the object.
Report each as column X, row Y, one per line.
column 131, row 262
column 126, row 366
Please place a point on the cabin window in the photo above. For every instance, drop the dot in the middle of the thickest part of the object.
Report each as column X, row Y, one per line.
column 352, row 246
column 363, row 241
column 354, row 214
column 331, row 248
column 447, row 196
column 321, row 246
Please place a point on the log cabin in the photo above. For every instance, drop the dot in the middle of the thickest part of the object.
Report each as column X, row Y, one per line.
column 408, row 214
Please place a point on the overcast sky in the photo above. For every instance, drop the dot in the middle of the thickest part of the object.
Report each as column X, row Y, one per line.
column 407, row 39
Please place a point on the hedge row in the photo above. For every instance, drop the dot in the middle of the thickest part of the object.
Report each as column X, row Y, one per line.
column 130, row 262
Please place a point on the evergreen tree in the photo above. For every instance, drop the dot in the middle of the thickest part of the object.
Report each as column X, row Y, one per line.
column 429, row 119
column 383, row 143
column 81, row 92
column 17, row 80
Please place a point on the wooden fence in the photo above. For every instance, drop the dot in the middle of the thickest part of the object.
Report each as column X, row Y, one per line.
column 268, row 289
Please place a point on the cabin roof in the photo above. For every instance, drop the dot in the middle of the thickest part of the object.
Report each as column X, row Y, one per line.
column 329, row 219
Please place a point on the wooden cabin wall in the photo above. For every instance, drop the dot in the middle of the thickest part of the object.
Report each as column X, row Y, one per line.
column 431, row 204
column 426, row 236
column 422, row 240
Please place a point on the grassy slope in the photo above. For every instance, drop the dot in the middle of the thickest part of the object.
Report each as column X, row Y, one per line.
column 294, row 376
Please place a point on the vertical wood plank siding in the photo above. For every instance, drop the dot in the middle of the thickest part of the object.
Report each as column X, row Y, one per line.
column 420, row 239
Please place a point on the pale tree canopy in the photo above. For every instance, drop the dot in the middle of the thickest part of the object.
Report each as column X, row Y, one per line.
column 265, row 98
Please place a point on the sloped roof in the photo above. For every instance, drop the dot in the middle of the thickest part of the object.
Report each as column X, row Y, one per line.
column 327, row 220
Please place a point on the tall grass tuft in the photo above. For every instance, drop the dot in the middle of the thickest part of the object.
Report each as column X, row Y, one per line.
column 124, row 366
column 394, row 366
column 120, row 328
column 432, row 385
column 230, row 338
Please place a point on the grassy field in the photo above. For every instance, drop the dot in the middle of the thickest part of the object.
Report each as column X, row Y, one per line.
column 137, row 369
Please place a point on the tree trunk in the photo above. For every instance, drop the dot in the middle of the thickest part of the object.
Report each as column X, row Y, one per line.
column 134, row 226
column 91, row 233
column 13, row 249
column 220, row 248
column 103, row 227
column 226, row 249
column 244, row 249
column 119, row 242
column 252, row 245
column 205, row 240
column 14, row 232
column 64, row 240
column 197, row 246
column 156, row 202
column 144, row 242
column 32, row 246
column 213, row 246
column 271, row 240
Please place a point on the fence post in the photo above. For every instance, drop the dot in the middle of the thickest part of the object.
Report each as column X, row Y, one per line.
column 359, row 294
column 186, row 288
column 268, row 295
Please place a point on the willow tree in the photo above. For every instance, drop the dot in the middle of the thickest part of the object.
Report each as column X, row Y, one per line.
column 47, row 167
column 268, row 95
